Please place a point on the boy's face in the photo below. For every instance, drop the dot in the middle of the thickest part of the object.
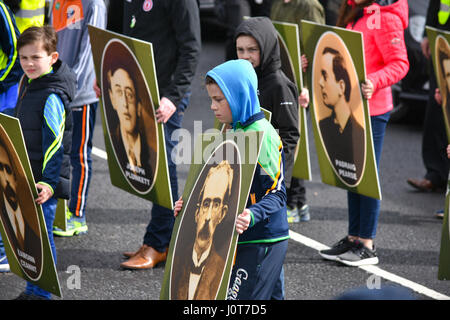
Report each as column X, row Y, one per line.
column 219, row 104
column 248, row 49
column 34, row 59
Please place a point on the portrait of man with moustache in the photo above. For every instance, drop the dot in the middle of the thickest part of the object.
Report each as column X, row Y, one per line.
column 197, row 274
column 21, row 227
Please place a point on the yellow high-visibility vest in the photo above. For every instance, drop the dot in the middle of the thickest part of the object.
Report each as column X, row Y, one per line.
column 444, row 12
column 31, row 13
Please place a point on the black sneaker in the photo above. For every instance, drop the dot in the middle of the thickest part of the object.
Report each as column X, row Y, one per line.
column 359, row 255
column 338, row 248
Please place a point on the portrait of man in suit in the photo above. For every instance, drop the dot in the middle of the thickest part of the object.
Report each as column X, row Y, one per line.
column 443, row 66
column 130, row 117
column 198, row 268
column 18, row 213
column 342, row 135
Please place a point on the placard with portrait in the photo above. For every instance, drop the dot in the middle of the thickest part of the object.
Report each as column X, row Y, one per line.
column 440, row 55
column 22, row 223
column 204, row 238
column 339, row 112
column 290, row 54
column 444, row 255
column 134, row 140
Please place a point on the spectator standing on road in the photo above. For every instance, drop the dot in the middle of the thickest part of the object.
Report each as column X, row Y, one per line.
column 262, row 226
column 434, row 138
column 10, row 73
column 173, row 27
column 46, row 89
column 386, row 63
column 70, row 20
column 294, row 11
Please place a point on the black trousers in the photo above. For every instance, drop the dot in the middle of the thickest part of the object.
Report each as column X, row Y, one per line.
column 434, row 139
column 296, row 194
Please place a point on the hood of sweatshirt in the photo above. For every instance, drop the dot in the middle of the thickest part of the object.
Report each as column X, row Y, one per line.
column 238, row 81
column 397, row 7
column 265, row 34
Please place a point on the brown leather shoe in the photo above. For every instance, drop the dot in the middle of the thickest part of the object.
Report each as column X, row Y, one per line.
column 146, row 258
column 422, row 184
column 129, row 254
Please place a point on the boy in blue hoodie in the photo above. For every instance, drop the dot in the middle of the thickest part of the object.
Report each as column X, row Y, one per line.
column 263, row 228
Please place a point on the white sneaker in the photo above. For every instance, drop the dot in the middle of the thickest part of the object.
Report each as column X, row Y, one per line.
column 4, row 265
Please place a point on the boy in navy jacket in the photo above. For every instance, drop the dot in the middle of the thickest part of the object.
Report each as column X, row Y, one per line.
column 45, row 93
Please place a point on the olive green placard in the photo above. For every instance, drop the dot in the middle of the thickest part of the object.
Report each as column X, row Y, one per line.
column 125, row 71
column 444, row 256
column 345, row 153
column 289, row 40
column 23, row 229
column 440, row 55
column 216, row 190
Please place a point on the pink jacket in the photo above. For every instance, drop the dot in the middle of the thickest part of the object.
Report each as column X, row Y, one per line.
column 384, row 50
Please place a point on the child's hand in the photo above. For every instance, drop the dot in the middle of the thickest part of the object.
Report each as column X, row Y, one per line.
column 448, row 151
column 304, row 63
column 44, row 193
column 303, row 98
column 177, row 207
column 165, row 111
column 243, row 221
column 367, row 89
column 438, row 96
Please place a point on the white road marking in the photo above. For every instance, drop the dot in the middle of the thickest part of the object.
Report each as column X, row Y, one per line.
column 99, row 153
column 320, row 246
column 374, row 269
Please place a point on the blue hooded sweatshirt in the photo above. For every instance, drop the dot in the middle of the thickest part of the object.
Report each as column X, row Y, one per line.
column 267, row 202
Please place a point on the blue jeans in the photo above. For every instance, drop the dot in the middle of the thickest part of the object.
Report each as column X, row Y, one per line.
column 159, row 229
column 363, row 211
column 49, row 210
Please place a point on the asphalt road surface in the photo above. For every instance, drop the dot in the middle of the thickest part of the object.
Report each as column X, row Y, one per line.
column 408, row 238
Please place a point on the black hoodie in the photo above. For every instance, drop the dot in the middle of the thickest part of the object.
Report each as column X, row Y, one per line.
column 276, row 92
column 30, row 112
column 173, row 27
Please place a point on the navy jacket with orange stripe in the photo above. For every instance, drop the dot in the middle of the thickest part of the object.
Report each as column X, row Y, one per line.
column 267, row 201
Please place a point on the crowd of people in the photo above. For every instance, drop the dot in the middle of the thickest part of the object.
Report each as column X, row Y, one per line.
column 49, row 71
